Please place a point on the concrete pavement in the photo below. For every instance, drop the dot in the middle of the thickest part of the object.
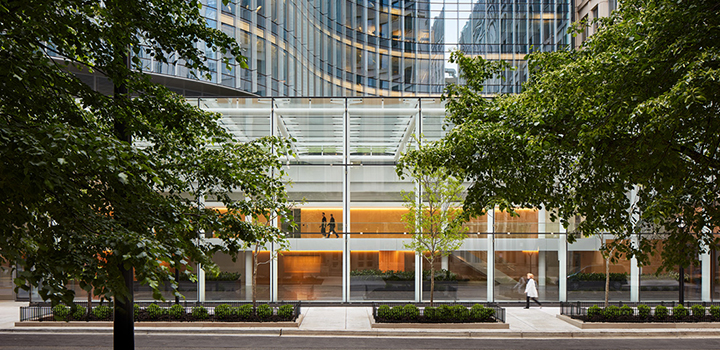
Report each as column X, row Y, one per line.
column 357, row 321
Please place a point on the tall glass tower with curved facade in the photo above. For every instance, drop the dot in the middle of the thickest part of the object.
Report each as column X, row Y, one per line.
column 376, row 47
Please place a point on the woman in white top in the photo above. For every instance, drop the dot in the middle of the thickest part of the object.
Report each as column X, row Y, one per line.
column 531, row 291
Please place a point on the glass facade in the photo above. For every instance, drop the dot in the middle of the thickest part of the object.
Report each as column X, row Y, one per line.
column 374, row 47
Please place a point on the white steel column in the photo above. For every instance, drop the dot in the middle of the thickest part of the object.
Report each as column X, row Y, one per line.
column 542, row 262
column 706, row 270
column 562, row 264
column 200, row 271
column 273, row 274
column 346, row 207
column 248, row 274
column 635, row 271
column 491, row 256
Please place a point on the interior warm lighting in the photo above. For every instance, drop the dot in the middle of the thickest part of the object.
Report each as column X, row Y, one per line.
column 531, row 251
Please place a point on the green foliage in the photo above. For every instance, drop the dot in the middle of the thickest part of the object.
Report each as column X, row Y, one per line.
column 200, row 312
column 594, row 276
column 411, row 311
column 176, row 311
column 680, row 311
column 102, row 312
column 643, row 311
column 286, row 311
column 84, row 199
column 611, row 312
column 79, row 312
column 715, row 312
column 223, row 311
column 626, row 310
column 698, row 310
column 136, row 311
column 431, row 313
column 224, row 276
column 61, row 312
column 594, row 311
column 443, row 312
column 634, row 110
column 481, row 313
column 459, row 312
column 661, row 311
column 391, row 275
column 154, row 311
column 397, row 312
column 245, row 311
column 264, row 311
column 383, row 311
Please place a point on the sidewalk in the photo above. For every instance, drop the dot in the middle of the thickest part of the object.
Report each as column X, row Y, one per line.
column 356, row 321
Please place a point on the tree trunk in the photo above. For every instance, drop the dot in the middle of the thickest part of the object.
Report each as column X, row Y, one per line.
column 432, row 281
column 254, row 278
column 89, row 306
column 123, row 326
column 607, row 279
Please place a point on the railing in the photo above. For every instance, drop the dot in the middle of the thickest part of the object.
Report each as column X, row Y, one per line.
column 498, row 315
column 41, row 311
column 580, row 309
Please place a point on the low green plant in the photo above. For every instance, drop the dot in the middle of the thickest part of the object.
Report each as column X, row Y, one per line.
column 715, row 312
column 594, row 311
column 102, row 312
column 611, row 312
column 245, row 311
column 61, row 312
column 661, row 311
column 223, row 311
column 411, row 311
column 154, row 311
column 430, row 313
column 397, row 312
column 176, row 311
column 199, row 312
column 264, row 311
column 626, row 310
column 79, row 312
column 459, row 312
column 286, row 311
column 643, row 311
column 443, row 312
column 481, row 313
column 680, row 311
column 136, row 311
column 383, row 311
column 698, row 310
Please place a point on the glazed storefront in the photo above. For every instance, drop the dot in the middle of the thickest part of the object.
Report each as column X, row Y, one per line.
column 345, row 168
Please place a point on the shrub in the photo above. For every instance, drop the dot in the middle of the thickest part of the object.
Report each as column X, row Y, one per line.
column 431, row 313
column 481, row 313
column 715, row 312
column 397, row 312
column 223, row 311
column 611, row 312
column 61, row 312
column 661, row 311
column 443, row 312
column 102, row 312
column 680, row 311
column 245, row 311
column 176, row 311
column 136, row 311
column 698, row 310
column 643, row 311
column 154, row 311
column 286, row 311
column 383, row 311
column 626, row 310
column 264, row 311
column 594, row 311
column 459, row 312
column 411, row 311
column 199, row 312
column 79, row 312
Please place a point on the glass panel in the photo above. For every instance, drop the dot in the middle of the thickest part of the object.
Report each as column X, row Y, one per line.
column 586, row 273
column 234, row 282
column 186, row 287
column 381, row 274
column 665, row 286
column 245, row 118
column 460, row 276
column 316, row 125
column 515, row 257
column 376, row 201
column 310, row 275
column 6, row 282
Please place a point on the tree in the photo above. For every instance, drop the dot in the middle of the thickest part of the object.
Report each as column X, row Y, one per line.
column 93, row 186
column 434, row 216
column 623, row 132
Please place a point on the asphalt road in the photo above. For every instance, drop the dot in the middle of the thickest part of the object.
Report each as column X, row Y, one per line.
column 89, row 341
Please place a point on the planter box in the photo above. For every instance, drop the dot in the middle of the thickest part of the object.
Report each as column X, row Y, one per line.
column 478, row 325
column 109, row 324
column 637, row 325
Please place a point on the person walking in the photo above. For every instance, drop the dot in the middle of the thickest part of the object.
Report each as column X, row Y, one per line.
column 323, row 224
column 332, row 227
column 531, row 291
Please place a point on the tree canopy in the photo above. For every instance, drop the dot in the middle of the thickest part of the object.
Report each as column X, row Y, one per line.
column 79, row 203
column 623, row 132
